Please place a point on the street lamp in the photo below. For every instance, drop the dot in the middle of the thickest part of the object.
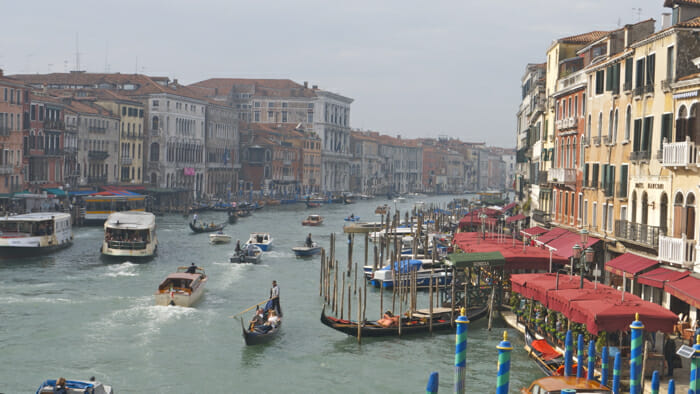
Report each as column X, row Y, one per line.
column 482, row 216
column 583, row 256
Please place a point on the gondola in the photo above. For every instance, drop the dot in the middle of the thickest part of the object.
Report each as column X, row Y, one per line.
column 371, row 328
column 546, row 357
column 310, row 204
column 232, row 217
column 257, row 337
column 207, row 228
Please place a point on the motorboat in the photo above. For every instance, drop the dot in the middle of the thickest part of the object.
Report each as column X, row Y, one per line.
column 181, row 288
column 358, row 227
column 564, row 384
column 352, row 218
column 34, row 233
column 312, row 220
column 382, row 209
column 130, row 234
column 75, row 387
column 425, row 270
column 262, row 240
column 250, row 253
column 307, row 251
column 219, row 238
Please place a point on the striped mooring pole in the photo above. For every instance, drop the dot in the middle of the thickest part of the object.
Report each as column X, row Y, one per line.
column 655, row 383
column 671, row 386
column 616, row 374
column 579, row 356
column 503, row 379
column 604, row 366
column 461, row 351
column 433, row 383
column 694, row 386
column 636, row 355
column 568, row 349
column 591, row 360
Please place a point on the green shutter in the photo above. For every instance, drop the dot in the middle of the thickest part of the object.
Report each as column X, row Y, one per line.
column 585, row 175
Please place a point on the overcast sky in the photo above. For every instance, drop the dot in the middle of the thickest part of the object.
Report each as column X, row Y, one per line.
column 413, row 68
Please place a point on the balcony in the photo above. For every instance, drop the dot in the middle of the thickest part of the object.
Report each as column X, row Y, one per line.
column 95, row 129
column 53, row 152
column 6, row 169
column 679, row 251
column 541, row 217
column 125, row 161
column 680, row 154
column 97, row 180
column 54, row 125
column 640, row 155
column 98, row 155
column 641, row 234
column 565, row 176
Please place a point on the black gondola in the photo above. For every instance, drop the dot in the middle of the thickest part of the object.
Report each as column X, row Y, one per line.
column 232, row 217
column 546, row 357
column 257, row 337
column 371, row 328
column 207, row 228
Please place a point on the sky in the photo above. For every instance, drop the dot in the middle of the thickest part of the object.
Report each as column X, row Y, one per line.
column 414, row 69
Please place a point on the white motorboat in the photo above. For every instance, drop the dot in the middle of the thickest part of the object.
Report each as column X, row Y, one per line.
column 261, row 240
column 130, row 234
column 219, row 238
column 34, row 233
column 75, row 386
column 181, row 288
column 250, row 253
column 425, row 269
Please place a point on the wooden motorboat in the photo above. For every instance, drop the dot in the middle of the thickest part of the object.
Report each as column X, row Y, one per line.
column 75, row 387
column 257, row 336
column 219, row 238
column 382, row 209
column 557, row 384
column 181, row 287
column 206, row 228
column 425, row 270
column 262, row 240
column 312, row 220
column 415, row 325
column 307, row 251
column 250, row 254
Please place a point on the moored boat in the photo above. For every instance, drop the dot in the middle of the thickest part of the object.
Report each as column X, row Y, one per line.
column 382, row 209
column 130, row 234
column 311, row 204
column 74, row 387
column 182, row 288
column 307, row 251
column 558, row 384
column 261, row 240
column 357, row 227
column 312, row 220
column 409, row 325
column 425, row 270
column 250, row 254
column 34, row 233
column 219, row 238
column 206, row 228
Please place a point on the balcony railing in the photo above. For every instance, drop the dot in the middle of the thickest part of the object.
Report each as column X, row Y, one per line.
column 541, row 216
column 679, row 251
column 98, row 155
column 125, row 161
column 96, row 129
column 54, row 125
column 640, row 155
column 642, row 234
column 155, row 132
column 649, row 88
column 680, row 154
column 6, row 169
column 542, row 178
column 566, row 176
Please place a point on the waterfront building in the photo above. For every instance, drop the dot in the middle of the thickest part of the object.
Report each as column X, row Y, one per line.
column 43, row 156
column 404, row 163
column 222, row 144
column 332, row 124
column 368, row 168
column 14, row 95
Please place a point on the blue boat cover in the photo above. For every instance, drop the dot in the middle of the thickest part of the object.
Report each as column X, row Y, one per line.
column 81, row 192
column 404, row 266
column 71, row 384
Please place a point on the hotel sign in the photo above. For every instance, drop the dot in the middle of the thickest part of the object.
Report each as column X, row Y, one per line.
column 640, row 185
column 685, row 95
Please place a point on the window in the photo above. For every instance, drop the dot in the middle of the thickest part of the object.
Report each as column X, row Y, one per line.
column 595, row 214
column 628, row 74
column 270, row 115
column 622, row 189
column 610, row 127
column 615, row 122
column 666, row 120
column 599, row 81
column 651, row 64
column 610, row 217
column 585, row 175
column 284, row 116
column 636, row 143
column 628, row 122
column 605, row 217
column 639, row 81
column 576, row 106
column 623, row 212
column 600, row 126
column 580, row 207
column 588, row 129
column 647, row 132
column 594, row 175
column 155, row 104
column 585, row 213
column 257, row 116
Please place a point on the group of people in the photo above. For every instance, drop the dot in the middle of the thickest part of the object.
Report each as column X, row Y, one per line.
column 249, row 249
column 274, row 312
column 125, row 236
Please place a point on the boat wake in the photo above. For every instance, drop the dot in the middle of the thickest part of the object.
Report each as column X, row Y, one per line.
column 123, row 269
column 277, row 254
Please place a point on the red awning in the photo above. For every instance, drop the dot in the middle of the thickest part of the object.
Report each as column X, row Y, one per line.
column 629, row 265
column 515, row 218
column 659, row 276
column 534, row 231
column 537, row 286
column 687, row 289
column 551, row 234
column 516, row 256
column 564, row 245
column 508, row 207
column 560, row 300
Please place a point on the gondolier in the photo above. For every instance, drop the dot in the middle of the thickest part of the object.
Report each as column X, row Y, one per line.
column 275, row 297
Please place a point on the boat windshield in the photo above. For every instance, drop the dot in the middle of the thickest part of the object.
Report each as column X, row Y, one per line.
column 24, row 228
column 126, row 238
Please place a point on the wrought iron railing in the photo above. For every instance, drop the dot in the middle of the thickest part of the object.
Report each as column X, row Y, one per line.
column 642, row 234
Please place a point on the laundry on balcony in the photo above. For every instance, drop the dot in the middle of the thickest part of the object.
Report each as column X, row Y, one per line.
column 686, row 289
column 629, row 265
column 658, row 277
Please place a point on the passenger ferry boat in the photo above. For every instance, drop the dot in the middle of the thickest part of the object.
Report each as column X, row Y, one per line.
column 34, row 233
column 130, row 234
column 99, row 207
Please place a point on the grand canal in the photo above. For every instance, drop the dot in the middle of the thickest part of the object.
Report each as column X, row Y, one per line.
column 76, row 315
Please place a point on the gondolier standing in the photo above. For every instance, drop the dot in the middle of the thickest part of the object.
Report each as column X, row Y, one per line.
column 275, row 297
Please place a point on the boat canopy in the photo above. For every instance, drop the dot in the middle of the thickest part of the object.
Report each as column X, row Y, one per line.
column 404, row 266
column 131, row 220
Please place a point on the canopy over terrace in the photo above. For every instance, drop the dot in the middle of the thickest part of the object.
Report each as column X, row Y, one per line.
column 602, row 308
column 537, row 286
column 516, row 257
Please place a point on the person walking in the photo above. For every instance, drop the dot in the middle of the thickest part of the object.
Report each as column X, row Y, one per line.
column 669, row 353
column 275, row 297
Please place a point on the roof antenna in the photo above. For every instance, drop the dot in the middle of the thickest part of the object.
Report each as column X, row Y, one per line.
column 77, row 53
column 638, row 11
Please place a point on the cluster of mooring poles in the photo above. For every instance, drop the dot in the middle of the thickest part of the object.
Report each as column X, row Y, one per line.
column 636, row 378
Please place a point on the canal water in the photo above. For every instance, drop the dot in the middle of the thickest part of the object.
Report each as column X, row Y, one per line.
column 75, row 315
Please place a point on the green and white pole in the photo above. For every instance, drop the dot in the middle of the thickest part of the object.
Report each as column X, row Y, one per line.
column 636, row 356
column 461, row 352
column 694, row 386
column 503, row 380
column 579, row 356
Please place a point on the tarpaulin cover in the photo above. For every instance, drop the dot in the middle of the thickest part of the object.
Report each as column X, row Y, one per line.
column 629, row 265
column 687, row 289
column 564, row 245
column 546, row 350
column 551, row 234
column 534, row 231
column 515, row 218
column 659, row 276
column 537, row 286
column 516, row 256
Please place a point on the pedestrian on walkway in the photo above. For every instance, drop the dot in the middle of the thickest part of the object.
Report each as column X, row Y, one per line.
column 669, row 353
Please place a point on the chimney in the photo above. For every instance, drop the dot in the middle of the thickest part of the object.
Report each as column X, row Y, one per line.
column 306, row 84
column 175, row 81
column 315, row 87
column 665, row 20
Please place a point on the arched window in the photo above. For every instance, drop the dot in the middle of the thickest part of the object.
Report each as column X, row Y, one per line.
column 573, row 152
column 690, row 216
column 615, row 122
column 628, row 122
column 663, row 213
column 692, row 123
column 645, row 208
column 155, row 123
column 678, row 215
column 154, row 152
column 600, row 126
column 681, row 124
column 610, row 127
column 588, row 129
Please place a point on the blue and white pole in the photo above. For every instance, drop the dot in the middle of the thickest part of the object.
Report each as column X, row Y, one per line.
column 604, row 366
column 636, row 356
column 568, row 349
column 616, row 374
column 591, row 360
column 503, row 379
column 461, row 351
column 579, row 356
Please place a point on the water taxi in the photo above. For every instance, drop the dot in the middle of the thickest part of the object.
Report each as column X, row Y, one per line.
column 425, row 270
column 261, row 240
column 307, row 251
column 74, row 386
column 312, row 220
column 182, row 288
column 219, row 238
column 130, row 234
column 249, row 254
column 34, row 233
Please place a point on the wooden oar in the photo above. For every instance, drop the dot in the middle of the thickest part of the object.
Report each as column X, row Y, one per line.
column 242, row 312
